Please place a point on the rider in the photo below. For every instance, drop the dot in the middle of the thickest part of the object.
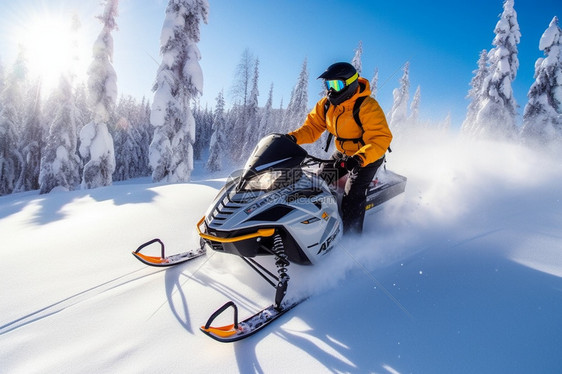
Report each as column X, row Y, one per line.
column 361, row 138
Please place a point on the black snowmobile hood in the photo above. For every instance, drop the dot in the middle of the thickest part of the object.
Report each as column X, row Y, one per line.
column 274, row 152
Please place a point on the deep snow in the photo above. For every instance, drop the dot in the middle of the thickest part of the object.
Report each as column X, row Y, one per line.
column 460, row 274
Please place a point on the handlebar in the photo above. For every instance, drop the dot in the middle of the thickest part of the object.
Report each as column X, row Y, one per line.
column 311, row 160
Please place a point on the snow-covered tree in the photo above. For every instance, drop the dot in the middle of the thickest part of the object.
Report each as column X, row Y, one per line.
column 30, row 139
column 356, row 61
column 96, row 141
column 445, row 125
column 375, row 84
column 253, row 120
column 2, row 78
column 203, row 129
column 179, row 80
column 84, row 114
column 218, row 146
column 297, row 110
column 542, row 119
column 144, row 136
column 267, row 121
column 497, row 112
column 131, row 139
column 60, row 164
column 475, row 93
column 241, row 91
column 415, row 108
column 12, row 114
column 399, row 112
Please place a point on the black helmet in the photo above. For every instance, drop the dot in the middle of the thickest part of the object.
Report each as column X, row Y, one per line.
column 344, row 72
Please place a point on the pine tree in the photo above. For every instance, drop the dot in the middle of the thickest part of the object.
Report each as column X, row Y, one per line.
column 60, row 162
column 475, row 93
column 144, row 137
column 2, row 78
column 253, row 121
column 542, row 119
column 129, row 135
column 30, row 139
column 297, row 109
column 218, row 139
column 84, row 114
column 356, row 61
column 179, row 80
column 11, row 118
column 267, row 121
column 240, row 92
column 399, row 111
column 415, row 108
column 375, row 84
column 203, row 129
column 445, row 125
column 496, row 115
column 96, row 141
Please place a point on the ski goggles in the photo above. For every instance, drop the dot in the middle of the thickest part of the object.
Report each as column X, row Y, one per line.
column 338, row 84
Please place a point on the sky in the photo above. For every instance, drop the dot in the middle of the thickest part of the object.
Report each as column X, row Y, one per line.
column 441, row 40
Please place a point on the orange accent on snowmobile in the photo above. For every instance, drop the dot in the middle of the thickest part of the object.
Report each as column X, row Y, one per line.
column 151, row 259
column 222, row 331
column 259, row 233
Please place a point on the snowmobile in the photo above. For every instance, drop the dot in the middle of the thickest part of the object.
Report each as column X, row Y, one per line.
column 278, row 206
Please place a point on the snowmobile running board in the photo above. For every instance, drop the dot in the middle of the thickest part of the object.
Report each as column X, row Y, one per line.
column 163, row 260
column 248, row 327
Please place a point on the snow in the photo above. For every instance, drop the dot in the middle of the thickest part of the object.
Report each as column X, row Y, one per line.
column 192, row 69
column 97, row 145
column 551, row 36
column 460, row 274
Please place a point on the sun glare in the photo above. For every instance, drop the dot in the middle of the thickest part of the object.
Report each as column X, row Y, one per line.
column 52, row 49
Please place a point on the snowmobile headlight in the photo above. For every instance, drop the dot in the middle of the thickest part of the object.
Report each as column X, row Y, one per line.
column 264, row 181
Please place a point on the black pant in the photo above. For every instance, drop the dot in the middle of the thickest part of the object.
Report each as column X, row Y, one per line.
column 355, row 191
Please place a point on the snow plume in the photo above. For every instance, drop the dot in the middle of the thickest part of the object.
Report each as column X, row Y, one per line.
column 457, row 186
column 179, row 79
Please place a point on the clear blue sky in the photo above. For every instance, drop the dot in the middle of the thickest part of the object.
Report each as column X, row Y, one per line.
column 441, row 39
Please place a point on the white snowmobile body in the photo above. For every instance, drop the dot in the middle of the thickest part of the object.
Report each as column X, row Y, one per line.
column 277, row 196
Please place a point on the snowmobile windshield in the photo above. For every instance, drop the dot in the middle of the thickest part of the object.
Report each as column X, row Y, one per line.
column 273, row 164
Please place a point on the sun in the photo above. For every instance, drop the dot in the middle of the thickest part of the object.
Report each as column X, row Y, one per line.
column 52, row 48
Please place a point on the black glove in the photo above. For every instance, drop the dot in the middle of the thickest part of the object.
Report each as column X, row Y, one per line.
column 291, row 138
column 349, row 163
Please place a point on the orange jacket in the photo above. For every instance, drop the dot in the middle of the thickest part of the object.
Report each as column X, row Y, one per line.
column 375, row 136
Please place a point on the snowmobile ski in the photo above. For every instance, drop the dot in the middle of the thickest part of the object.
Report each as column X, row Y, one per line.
column 248, row 327
column 163, row 260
